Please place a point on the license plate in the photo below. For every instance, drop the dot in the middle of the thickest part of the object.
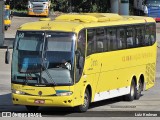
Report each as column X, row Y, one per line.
column 39, row 101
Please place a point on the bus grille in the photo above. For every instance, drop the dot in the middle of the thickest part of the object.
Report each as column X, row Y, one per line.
column 154, row 11
column 38, row 8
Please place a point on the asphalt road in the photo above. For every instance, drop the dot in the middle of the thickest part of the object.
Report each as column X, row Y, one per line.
column 149, row 101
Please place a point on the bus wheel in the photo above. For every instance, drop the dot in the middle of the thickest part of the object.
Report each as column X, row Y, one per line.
column 138, row 92
column 131, row 95
column 84, row 107
column 32, row 108
column 6, row 27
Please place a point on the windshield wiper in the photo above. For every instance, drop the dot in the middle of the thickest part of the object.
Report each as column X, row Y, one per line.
column 49, row 75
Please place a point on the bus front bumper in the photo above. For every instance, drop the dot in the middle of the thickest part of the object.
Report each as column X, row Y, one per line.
column 31, row 13
column 7, row 23
column 57, row 101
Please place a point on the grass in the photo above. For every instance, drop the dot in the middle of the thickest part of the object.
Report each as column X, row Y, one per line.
column 19, row 11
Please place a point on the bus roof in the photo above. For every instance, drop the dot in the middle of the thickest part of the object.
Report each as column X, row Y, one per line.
column 75, row 22
column 7, row 7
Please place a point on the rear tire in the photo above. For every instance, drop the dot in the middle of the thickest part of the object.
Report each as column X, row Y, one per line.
column 85, row 106
column 138, row 92
column 131, row 95
column 32, row 108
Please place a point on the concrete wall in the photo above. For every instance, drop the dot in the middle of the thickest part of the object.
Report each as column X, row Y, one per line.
column 114, row 6
column 120, row 6
column 124, row 7
column 1, row 23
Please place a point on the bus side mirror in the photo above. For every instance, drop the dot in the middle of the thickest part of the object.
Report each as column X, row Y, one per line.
column 7, row 56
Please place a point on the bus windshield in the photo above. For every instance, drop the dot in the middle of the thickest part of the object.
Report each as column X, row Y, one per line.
column 43, row 57
column 6, row 14
column 153, row 2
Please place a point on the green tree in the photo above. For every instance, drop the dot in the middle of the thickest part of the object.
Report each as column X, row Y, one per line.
column 81, row 5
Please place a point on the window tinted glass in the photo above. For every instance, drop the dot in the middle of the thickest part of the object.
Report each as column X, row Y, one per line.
column 82, row 42
column 91, row 38
column 112, row 39
column 100, row 35
column 81, row 48
column 121, row 38
column 147, row 38
column 130, row 38
column 153, row 33
column 150, row 34
column 139, row 36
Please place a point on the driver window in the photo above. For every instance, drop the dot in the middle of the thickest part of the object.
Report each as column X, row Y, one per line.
column 81, row 42
column 81, row 48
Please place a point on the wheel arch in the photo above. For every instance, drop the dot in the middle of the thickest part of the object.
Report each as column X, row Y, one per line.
column 89, row 88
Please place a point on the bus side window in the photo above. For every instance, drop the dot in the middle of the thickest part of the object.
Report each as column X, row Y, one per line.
column 121, row 39
column 112, row 39
column 130, row 38
column 147, row 38
column 100, row 35
column 139, row 36
column 82, row 42
column 153, row 33
column 81, row 48
column 91, row 38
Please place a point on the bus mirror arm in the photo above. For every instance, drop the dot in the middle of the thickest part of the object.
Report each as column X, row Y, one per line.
column 7, row 56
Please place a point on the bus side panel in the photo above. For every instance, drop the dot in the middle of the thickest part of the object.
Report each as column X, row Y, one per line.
column 119, row 67
column 112, row 81
column 116, row 82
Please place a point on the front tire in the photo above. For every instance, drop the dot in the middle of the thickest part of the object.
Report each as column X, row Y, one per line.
column 85, row 106
column 32, row 108
column 131, row 95
column 6, row 27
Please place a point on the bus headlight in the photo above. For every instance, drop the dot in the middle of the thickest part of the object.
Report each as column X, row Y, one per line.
column 64, row 94
column 46, row 7
column 18, row 92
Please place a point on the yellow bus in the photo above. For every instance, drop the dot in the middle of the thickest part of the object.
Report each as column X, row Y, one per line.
column 7, row 17
column 78, row 59
column 39, row 7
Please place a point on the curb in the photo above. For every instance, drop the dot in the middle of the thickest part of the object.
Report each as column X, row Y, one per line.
column 5, row 47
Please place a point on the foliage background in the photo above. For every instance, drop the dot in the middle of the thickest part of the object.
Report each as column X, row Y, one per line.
column 71, row 5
